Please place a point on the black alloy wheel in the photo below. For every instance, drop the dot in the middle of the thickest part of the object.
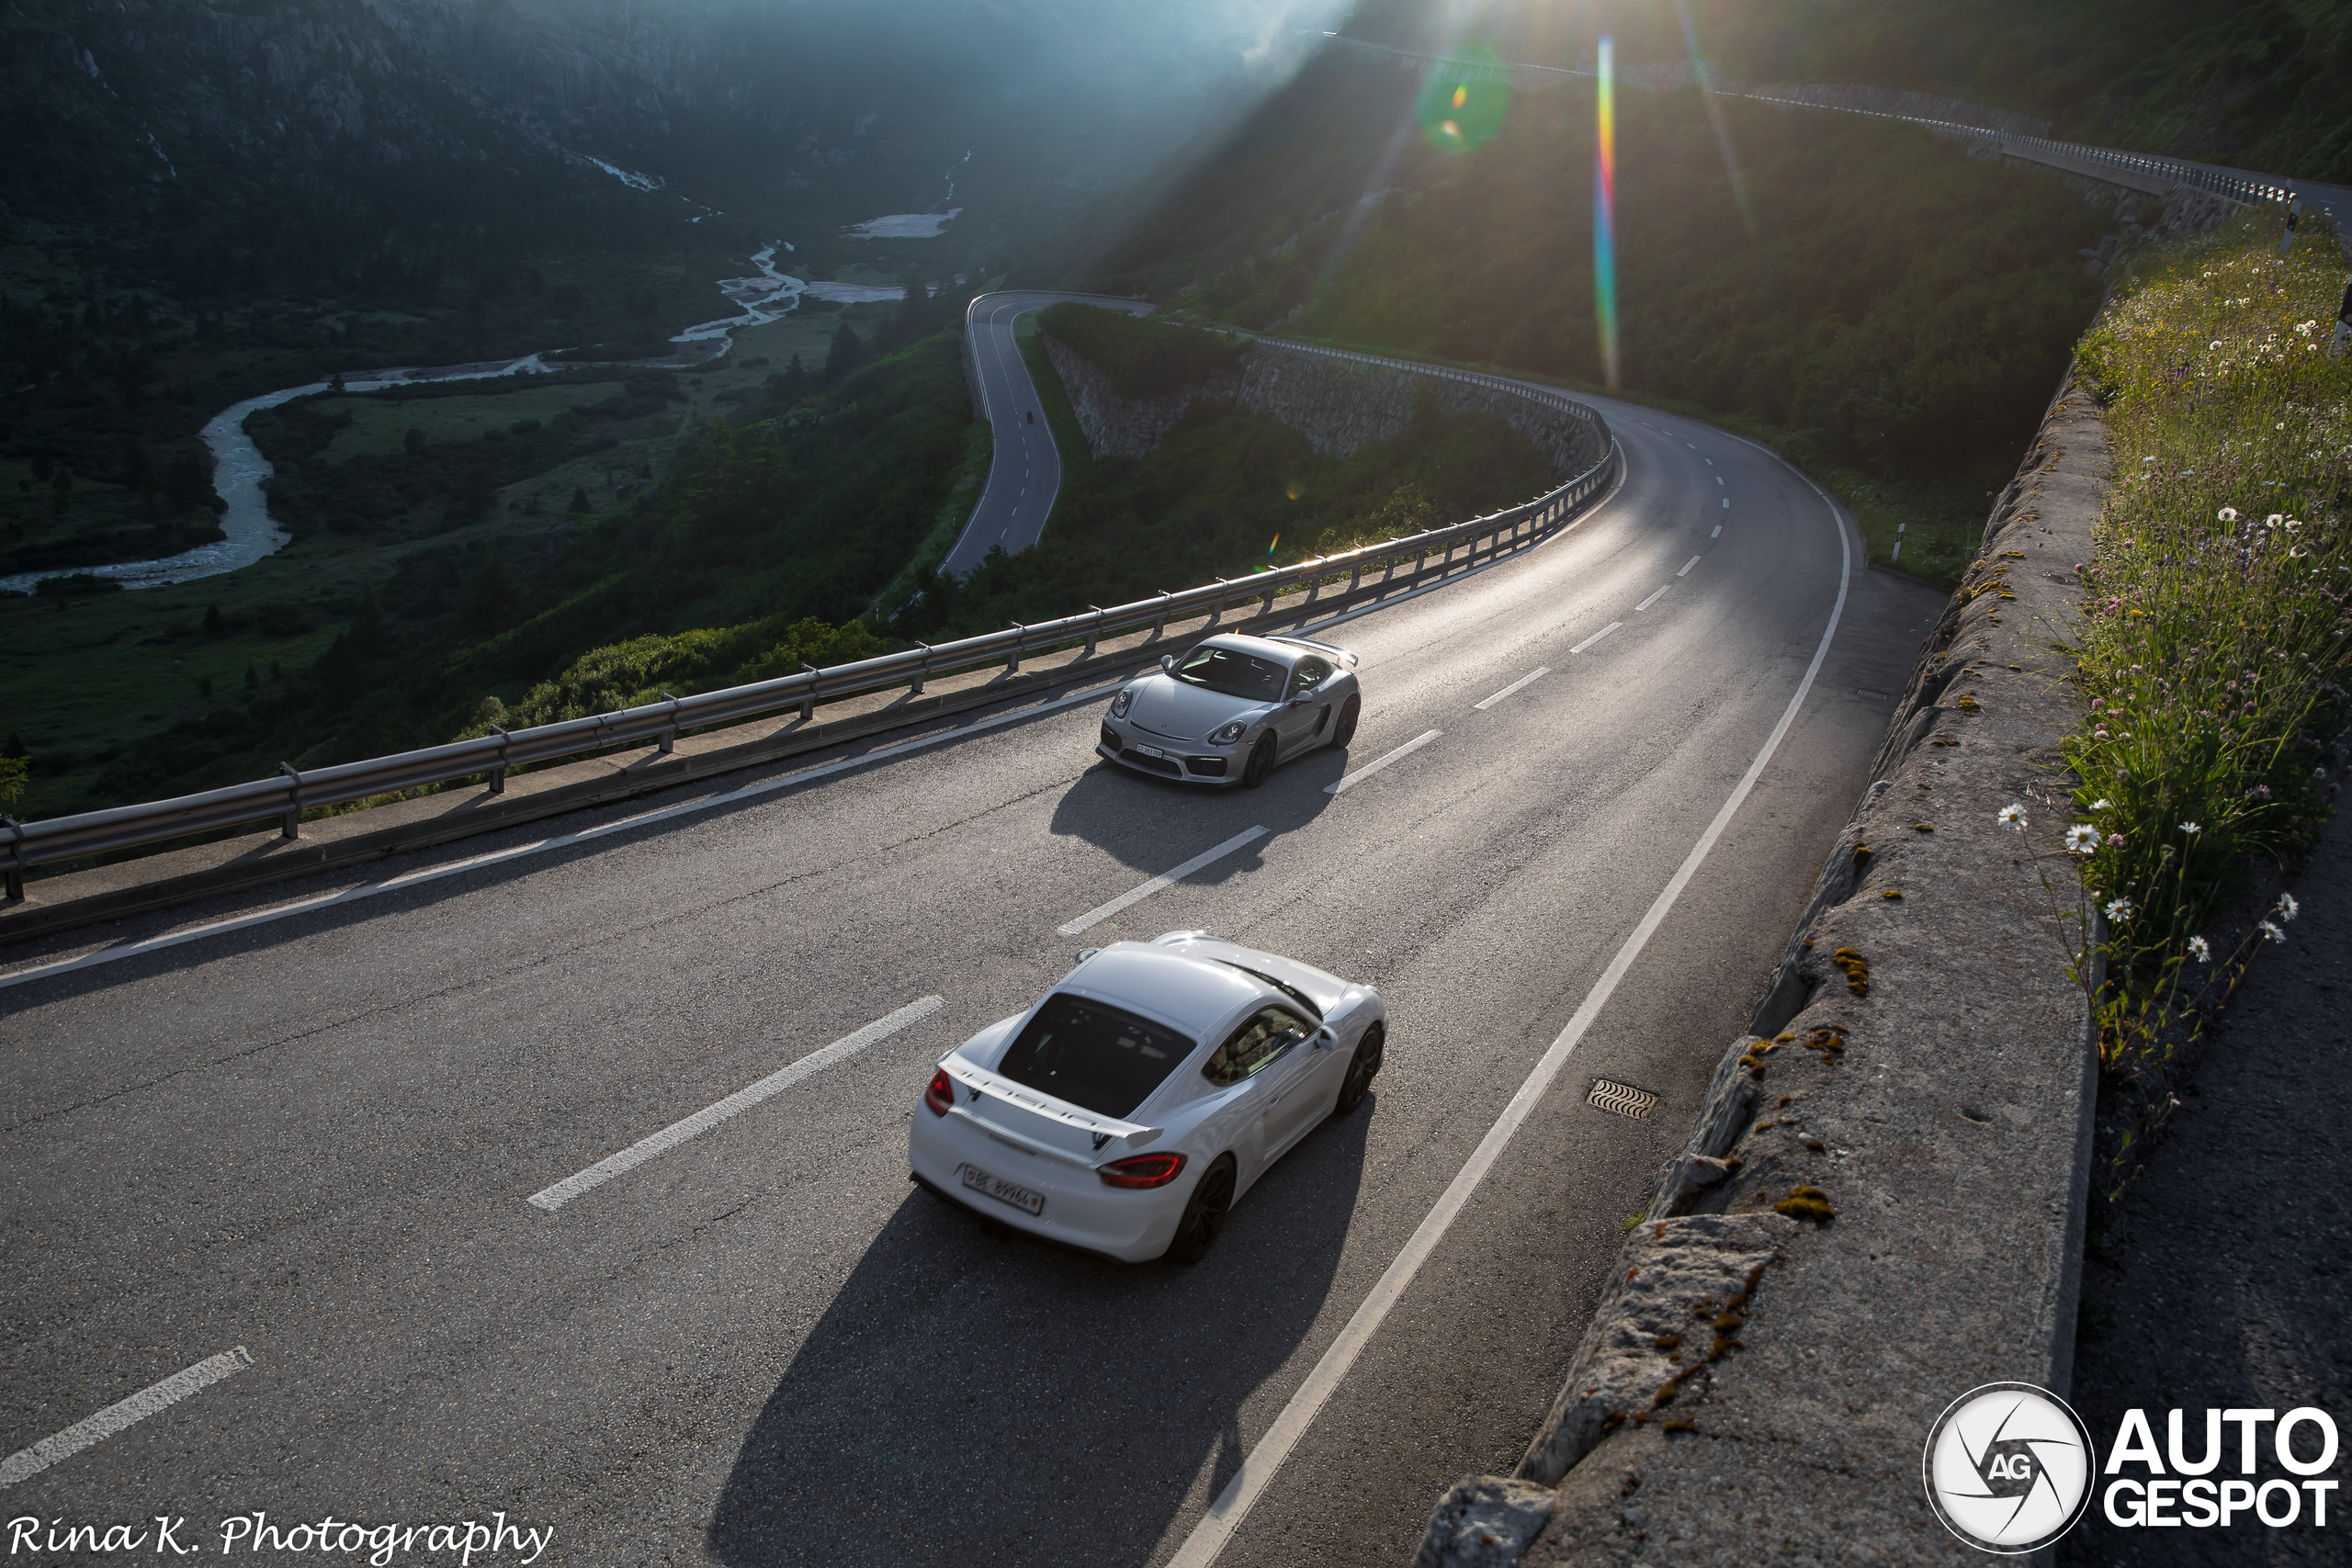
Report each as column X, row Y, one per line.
column 1261, row 764
column 1347, row 728
column 1204, row 1215
column 1362, row 1066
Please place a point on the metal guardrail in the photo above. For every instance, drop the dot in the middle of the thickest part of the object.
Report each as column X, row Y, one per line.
column 285, row 797
column 2228, row 184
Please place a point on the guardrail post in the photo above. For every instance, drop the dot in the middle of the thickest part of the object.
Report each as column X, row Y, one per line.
column 1217, row 610
column 921, row 670
column 1315, row 583
column 1266, row 604
column 14, row 874
column 1420, row 562
column 669, row 735
column 1356, row 576
column 808, row 702
column 1012, row 665
column 498, row 773
column 1159, row 626
column 289, row 822
column 1094, row 631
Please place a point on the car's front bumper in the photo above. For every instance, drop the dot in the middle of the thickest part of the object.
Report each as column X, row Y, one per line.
column 1131, row 1226
column 1190, row 762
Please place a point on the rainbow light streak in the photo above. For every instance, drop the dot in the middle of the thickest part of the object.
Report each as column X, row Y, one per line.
column 1604, row 216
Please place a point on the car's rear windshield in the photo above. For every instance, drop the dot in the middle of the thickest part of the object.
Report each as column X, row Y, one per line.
column 1105, row 1059
column 1234, row 672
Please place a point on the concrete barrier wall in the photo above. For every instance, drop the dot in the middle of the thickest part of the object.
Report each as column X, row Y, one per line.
column 1881, row 1205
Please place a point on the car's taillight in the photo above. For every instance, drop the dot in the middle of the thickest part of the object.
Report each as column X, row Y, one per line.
column 941, row 1094
column 1141, row 1170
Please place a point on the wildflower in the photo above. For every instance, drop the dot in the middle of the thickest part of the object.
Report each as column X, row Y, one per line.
column 2199, row 949
column 2103, row 804
column 2082, row 837
column 2191, row 828
column 2288, row 907
column 2115, row 840
column 2270, row 931
column 2119, row 909
column 2227, row 513
column 2012, row 816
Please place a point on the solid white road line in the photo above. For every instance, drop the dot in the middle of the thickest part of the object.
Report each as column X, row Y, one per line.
column 1524, row 681
column 677, row 1133
column 735, row 797
column 1596, row 636
column 1406, row 749
column 1687, row 566
column 1102, row 912
column 1653, row 598
column 1257, row 1467
column 115, row 1418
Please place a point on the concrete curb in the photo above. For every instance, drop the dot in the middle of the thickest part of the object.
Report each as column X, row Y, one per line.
column 1881, row 1205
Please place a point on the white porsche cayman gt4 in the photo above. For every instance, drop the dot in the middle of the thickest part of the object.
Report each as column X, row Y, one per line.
column 1129, row 1110
column 1233, row 708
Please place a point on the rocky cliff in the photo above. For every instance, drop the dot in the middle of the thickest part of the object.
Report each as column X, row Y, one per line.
column 1339, row 405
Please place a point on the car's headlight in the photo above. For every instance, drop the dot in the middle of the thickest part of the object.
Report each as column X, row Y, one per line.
column 1122, row 703
column 1227, row 734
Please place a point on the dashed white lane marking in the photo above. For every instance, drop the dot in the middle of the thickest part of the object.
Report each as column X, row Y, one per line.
column 1653, row 598
column 1173, row 874
column 1369, row 769
column 1726, row 503
column 703, row 1121
column 115, row 1418
column 1718, row 533
column 1258, row 1466
column 735, row 797
column 1709, row 461
column 1524, row 681
column 1687, row 566
column 1596, row 636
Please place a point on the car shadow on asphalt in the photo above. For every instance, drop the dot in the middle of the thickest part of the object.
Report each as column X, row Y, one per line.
column 1152, row 823
column 973, row 1395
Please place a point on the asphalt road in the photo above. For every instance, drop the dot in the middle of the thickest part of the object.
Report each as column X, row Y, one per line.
column 316, row 1139
column 1026, row 471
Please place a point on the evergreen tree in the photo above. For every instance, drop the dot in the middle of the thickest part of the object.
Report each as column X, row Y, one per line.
column 842, row 355
column 579, row 499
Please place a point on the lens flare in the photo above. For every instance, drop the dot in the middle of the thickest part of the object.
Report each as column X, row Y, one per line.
column 1463, row 98
column 1604, row 215
column 1715, row 117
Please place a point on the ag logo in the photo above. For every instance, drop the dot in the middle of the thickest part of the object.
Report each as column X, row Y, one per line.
column 2009, row 1468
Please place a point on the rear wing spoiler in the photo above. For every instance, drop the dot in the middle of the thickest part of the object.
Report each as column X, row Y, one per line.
column 1342, row 654
column 1103, row 1129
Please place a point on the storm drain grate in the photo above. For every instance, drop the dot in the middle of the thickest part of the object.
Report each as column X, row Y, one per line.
column 1621, row 1098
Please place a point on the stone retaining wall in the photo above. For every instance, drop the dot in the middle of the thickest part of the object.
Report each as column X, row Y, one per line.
column 1339, row 405
column 1880, row 1206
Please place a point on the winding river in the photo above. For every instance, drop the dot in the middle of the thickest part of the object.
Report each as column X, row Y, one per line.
column 239, row 467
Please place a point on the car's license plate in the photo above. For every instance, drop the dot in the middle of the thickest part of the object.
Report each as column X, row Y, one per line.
column 1151, row 751
column 1001, row 1190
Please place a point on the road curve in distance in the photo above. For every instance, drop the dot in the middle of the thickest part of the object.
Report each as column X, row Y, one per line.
column 1026, row 471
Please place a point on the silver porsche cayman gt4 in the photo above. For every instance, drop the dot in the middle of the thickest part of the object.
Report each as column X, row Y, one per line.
column 1233, row 709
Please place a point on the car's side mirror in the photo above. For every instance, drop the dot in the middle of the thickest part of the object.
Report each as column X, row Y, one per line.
column 1086, row 952
column 1325, row 1039
column 1168, row 662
